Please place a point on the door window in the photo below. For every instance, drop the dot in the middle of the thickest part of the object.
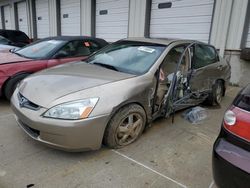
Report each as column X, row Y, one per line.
column 79, row 48
column 168, row 69
column 170, row 62
column 204, row 55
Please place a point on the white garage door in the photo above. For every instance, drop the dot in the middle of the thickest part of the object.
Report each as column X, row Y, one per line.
column 22, row 17
column 70, row 17
column 189, row 19
column 42, row 18
column 248, row 37
column 1, row 24
column 112, row 19
column 7, row 21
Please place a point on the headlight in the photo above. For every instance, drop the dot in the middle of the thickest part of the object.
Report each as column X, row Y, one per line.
column 72, row 110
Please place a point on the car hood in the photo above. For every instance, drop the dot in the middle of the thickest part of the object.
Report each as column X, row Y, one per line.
column 11, row 58
column 46, row 86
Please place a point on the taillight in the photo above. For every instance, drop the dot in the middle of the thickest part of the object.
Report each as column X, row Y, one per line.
column 237, row 121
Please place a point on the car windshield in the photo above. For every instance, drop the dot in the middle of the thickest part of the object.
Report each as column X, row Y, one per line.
column 40, row 50
column 4, row 40
column 128, row 56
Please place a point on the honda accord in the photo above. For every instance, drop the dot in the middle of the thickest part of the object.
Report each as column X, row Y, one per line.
column 111, row 96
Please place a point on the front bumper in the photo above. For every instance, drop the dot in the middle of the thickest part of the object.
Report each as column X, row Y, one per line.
column 231, row 165
column 77, row 135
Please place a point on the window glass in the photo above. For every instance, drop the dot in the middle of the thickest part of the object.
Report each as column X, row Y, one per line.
column 204, row 55
column 78, row 48
column 40, row 50
column 93, row 47
column 170, row 62
column 4, row 40
column 128, row 56
column 20, row 37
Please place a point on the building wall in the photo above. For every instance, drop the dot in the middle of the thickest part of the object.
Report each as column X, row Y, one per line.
column 240, row 68
column 229, row 31
column 226, row 31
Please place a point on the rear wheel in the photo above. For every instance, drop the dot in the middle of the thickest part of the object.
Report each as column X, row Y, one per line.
column 12, row 84
column 215, row 97
column 125, row 126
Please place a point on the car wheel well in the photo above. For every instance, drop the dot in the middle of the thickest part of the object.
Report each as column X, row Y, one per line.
column 120, row 111
column 223, row 84
column 123, row 105
column 11, row 77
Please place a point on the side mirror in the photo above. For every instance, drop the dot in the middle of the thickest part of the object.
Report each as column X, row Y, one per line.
column 61, row 54
column 14, row 49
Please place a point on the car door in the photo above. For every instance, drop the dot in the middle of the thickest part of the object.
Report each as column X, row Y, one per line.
column 206, row 68
column 172, row 78
column 72, row 51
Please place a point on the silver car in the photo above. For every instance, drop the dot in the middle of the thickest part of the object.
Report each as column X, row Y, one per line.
column 110, row 97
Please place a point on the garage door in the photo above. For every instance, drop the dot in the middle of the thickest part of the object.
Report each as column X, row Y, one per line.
column 112, row 19
column 7, row 21
column 189, row 19
column 70, row 17
column 248, row 37
column 42, row 18
column 22, row 17
column 1, row 24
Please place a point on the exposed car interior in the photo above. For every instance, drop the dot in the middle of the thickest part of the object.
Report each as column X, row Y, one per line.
column 167, row 71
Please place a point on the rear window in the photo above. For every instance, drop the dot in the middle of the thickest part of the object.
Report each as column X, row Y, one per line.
column 243, row 101
column 21, row 37
column 15, row 36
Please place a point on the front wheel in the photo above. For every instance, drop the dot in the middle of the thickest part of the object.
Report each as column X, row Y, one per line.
column 125, row 126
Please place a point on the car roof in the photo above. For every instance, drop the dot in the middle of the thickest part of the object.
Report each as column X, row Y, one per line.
column 162, row 41
column 10, row 30
column 70, row 38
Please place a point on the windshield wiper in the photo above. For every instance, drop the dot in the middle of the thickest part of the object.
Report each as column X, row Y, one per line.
column 18, row 54
column 106, row 66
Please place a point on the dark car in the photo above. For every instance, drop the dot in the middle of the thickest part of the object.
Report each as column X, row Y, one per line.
column 16, row 65
column 231, row 151
column 16, row 38
column 6, row 45
column 116, row 92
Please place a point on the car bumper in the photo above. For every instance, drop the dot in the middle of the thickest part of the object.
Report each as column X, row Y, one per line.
column 77, row 135
column 231, row 165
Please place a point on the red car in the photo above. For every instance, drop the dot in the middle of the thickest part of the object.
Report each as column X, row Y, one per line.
column 231, row 151
column 16, row 65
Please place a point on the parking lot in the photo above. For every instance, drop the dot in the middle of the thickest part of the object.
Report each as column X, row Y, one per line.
column 167, row 155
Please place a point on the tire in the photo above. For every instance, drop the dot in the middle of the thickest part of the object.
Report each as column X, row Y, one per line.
column 11, row 85
column 125, row 126
column 217, row 93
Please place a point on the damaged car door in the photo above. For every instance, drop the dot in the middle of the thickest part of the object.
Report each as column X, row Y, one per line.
column 206, row 68
column 190, row 74
column 173, row 76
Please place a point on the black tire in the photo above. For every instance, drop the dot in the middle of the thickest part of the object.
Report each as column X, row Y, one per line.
column 11, row 85
column 117, row 129
column 215, row 97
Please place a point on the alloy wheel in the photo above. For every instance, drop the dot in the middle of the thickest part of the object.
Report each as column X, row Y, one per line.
column 129, row 129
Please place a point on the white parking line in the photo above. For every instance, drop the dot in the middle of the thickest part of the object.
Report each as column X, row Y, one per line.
column 211, row 184
column 152, row 170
